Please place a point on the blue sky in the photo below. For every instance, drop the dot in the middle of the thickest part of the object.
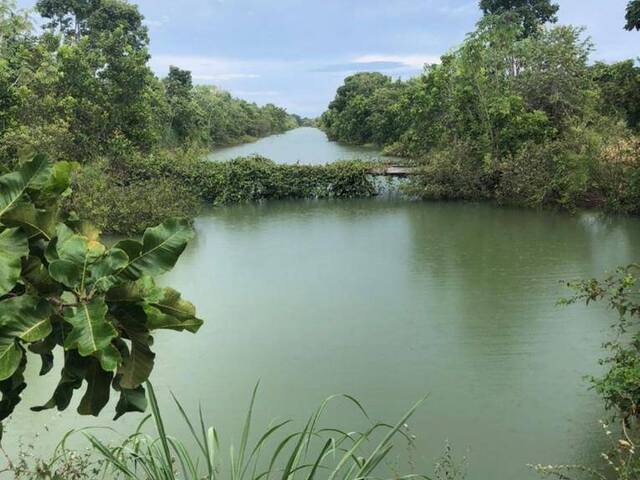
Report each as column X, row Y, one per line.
column 295, row 53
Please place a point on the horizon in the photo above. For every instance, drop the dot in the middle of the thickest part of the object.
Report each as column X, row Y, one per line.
column 296, row 54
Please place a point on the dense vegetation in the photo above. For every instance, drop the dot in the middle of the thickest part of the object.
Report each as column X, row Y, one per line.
column 516, row 114
column 132, row 193
column 82, row 89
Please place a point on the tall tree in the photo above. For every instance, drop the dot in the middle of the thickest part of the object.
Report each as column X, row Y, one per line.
column 530, row 14
column 633, row 15
column 69, row 16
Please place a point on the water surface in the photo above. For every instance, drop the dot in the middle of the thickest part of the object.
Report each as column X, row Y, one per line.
column 305, row 145
column 389, row 300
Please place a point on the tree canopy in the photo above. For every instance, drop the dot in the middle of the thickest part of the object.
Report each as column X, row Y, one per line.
column 633, row 15
column 530, row 14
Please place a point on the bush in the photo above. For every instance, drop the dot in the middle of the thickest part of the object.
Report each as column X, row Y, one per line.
column 617, row 175
column 116, row 207
column 177, row 184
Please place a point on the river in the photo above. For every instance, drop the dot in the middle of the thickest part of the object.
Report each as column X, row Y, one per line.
column 389, row 300
column 306, row 145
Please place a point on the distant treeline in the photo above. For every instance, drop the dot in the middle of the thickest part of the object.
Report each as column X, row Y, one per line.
column 82, row 89
column 516, row 114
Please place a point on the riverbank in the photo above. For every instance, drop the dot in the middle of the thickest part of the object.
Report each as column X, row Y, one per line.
column 130, row 193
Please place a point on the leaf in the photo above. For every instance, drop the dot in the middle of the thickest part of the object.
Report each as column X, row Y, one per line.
column 26, row 318
column 91, row 330
column 66, row 272
column 141, row 290
column 34, row 221
column 137, row 367
column 11, row 388
column 71, row 378
column 73, row 257
column 173, row 313
column 97, row 393
column 44, row 348
column 131, row 401
column 159, row 251
column 36, row 276
column 10, row 357
column 110, row 358
column 32, row 174
column 13, row 247
column 103, row 271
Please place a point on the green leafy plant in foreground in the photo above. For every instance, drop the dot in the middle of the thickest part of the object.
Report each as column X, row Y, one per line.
column 278, row 452
column 61, row 287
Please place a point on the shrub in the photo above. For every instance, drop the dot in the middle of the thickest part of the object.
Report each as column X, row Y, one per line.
column 130, row 194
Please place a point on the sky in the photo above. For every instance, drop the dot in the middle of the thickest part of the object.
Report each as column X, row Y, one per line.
column 295, row 53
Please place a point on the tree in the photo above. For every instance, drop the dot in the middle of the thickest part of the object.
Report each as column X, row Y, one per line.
column 530, row 14
column 69, row 16
column 113, row 101
column 61, row 287
column 620, row 89
column 186, row 117
column 633, row 15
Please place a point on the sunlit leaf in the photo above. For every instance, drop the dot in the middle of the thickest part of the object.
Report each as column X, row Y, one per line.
column 159, row 251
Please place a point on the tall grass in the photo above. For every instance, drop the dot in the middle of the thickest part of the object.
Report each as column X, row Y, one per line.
column 312, row 453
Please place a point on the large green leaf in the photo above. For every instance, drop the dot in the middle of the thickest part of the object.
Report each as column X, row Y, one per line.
column 171, row 312
column 103, row 272
column 159, row 251
column 11, row 388
column 13, row 247
column 10, row 357
column 71, row 377
column 23, row 318
column 138, row 364
column 92, row 331
column 26, row 318
column 32, row 174
column 97, row 393
column 35, row 221
column 74, row 254
column 130, row 401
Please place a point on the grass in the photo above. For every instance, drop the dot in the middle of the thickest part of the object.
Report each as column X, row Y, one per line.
column 278, row 453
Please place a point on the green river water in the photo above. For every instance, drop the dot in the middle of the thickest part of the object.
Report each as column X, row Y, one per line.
column 388, row 300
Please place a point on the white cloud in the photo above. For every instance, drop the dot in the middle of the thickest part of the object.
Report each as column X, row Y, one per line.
column 413, row 61
column 208, row 69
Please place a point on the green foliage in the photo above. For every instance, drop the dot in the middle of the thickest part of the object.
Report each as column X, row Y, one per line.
column 83, row 90
column 531, row 15
column 368, row 108
column 60, row 286
column 620, row 89
column 633, row 15
column 620, row 386
column 521, row 119
column 279, row 451
column 128, row 195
